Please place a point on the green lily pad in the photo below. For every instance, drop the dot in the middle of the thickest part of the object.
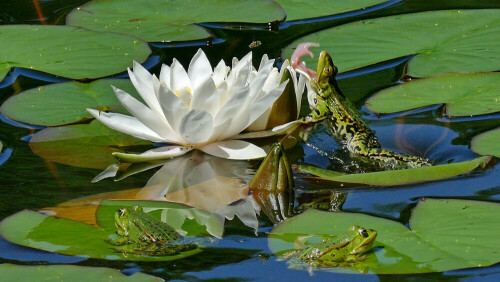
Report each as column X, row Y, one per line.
column 301, row 9
column 464, row 94
column 159, row 21
column 68, row 237
column 462, row 236
column 487, row 143
column 4, row 70
column 443, row 41
column 66, row 51
column 82, row 145
column 399, row 177
column 12, row 272
column 65, row 103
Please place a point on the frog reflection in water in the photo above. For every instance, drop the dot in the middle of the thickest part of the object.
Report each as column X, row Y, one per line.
column 341, row 251
column 327, row 102
column 143, row 234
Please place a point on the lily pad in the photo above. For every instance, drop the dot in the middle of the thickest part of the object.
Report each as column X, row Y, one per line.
column 4, row 70
column 487, row 143
column 82, row 145
column 302, row 9
column 12, row 272
column 399, row 177
column 63, row 236
column 462, row 236
column 158, row 20
column 464, row 94
column 443, row 41
column 66, row 102
column 66, row 51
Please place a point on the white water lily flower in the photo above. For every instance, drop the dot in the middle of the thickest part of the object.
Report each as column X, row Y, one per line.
column 202, row 108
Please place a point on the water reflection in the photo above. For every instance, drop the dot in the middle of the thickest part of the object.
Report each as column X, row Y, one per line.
column 198, row 180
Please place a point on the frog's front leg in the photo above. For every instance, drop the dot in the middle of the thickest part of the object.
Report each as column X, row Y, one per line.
column 359, row 145
column 118, row 242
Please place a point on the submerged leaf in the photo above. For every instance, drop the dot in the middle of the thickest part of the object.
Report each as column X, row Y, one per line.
column 443, row 41
column 462, row 236
column 66, row 51
column 399, row 177
column 66, row 102
column 487, row 143
column 160, row 21
column 464, row 94
column 12, row 272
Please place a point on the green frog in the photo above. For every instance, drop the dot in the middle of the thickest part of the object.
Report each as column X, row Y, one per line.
column 140, row 233
column 327, row 102
column 341, row 251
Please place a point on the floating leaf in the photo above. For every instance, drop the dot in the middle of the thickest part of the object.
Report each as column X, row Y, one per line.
column 462, row 236
column 399, row 177
column 4, row 70
column 464, row 94
column 82, row 145
column 443, row 41
column 70, row 52
column 487, row 143
column 66, row 102
column 157, row 20
column 300, row 9
column 12, row 272
column 63, row 236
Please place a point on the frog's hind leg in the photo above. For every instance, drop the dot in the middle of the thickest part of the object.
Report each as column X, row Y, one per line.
column 395, row 160
column 392, row 160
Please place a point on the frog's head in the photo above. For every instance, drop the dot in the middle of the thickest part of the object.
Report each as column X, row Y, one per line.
column 362, row 240
column 326, row 69
column 122, row 222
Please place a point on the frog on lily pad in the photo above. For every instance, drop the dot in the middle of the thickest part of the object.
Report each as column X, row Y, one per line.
column 142, row 234
column 341, row 251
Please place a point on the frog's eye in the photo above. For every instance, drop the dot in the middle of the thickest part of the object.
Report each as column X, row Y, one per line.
column 363, row 232
column 328, row 70
column 121, row 212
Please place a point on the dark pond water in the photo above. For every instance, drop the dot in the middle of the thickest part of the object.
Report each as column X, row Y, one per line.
column 30, row 182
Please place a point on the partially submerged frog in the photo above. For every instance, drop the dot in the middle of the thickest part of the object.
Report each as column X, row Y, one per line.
column 341, row 251
column 143, row 234
column 327, row 102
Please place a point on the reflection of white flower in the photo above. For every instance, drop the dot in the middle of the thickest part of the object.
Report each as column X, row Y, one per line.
column 202, row 108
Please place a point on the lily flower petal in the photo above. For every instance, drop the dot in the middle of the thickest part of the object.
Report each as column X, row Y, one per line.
column 205, row 97
column 220, row 73
column 165, row 75
column 145, row 115
column 234, row 149
column 126, row 124
column 199, row 69
column 196, row 127
column 173, row 107
column 179, row 79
